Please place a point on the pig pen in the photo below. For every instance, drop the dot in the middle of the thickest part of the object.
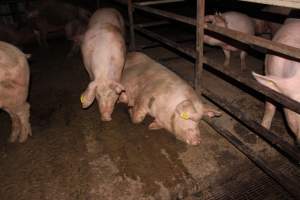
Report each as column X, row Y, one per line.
column 73, row 155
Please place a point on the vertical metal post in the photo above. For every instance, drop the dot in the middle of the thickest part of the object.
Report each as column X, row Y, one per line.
column 131, row 25
column 199, row 45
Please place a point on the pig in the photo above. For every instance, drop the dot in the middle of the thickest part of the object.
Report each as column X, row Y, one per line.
column 103, row 49
column 17, row 36
column 152, row 89
column 231, row 20
column 14, row 81
column 283, row 76
column 56, row 16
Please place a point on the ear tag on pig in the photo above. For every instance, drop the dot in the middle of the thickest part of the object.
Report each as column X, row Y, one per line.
column 185, row 115
column 82, row 99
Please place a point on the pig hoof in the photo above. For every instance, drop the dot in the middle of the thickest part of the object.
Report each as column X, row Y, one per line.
column 154, row 126
column 13, row 137
column 193, row 142
column 106, row 119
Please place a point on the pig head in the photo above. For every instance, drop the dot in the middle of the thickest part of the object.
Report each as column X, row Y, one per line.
column 106, row 95
column 217, row 20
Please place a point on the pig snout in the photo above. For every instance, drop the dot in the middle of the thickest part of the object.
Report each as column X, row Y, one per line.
column 106, row 110
column 191, row 137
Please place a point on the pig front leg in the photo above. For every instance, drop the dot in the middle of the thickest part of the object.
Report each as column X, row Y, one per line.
column 155, row 125
column 138, row 113
column 268, row 115
column 21, row 128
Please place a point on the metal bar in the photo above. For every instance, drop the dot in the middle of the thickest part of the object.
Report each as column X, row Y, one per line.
column 289, row 185
column 283, row 3
column 283, row 146
column 166, row 14
column 131, row 24
column 147, row 3
column 199, row 45
column 252, row 84
column 242, row 37
column 150, row 24
column 245, row 38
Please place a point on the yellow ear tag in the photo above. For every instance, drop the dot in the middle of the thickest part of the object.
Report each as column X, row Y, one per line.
column 185, row 115
column 82, row 99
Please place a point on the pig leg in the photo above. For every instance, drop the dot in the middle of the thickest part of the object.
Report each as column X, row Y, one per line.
column 24, row 115
column 268, row 115
column 243, row 55
column 155, row 125
column 15, row 127
column 227, row 57
column 138, row 112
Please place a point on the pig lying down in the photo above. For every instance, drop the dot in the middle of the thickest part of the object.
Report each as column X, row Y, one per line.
column 103, row 49
column 153, row 89
column 231, row 20
column 283, row 76
column 14, row 81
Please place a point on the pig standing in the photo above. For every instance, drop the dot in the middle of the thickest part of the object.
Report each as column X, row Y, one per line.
column 55, row 16
column 283, row 76
column 231, row 20
column 14, row 81
column 153, row 89
column 103, row 49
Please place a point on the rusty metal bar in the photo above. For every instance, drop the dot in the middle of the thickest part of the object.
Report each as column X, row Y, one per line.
column 199, row 45
column 283, row 146
column 285, row 101
column 242, row 37
column 131, row 24
column 289, row 185
column 156, row 2
column 150, row 24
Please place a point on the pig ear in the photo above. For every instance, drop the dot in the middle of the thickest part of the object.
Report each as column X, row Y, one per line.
column 117, row 87
column 275, row 83
column 210, row 111
column 187, row 111
column 88, row 96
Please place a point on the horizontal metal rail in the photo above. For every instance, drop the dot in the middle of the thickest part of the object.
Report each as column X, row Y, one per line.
column 156, row 2
column 283, row 3
column 277, row 97
column 290, row 185
column 150, row 24
column 242, row 37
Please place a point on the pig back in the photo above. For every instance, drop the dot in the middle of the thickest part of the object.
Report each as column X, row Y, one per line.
column 279, row 66
column 107, row 16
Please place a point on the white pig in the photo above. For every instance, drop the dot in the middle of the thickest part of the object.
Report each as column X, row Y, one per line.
column 103, row 49
column 153, row 89
column 14, row 81
column 283, row 76
column 231, row 20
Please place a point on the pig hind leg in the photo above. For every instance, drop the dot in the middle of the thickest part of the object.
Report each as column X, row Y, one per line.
column 243, row 55
column 227, row 57
column 16, row 126
column 268, row 115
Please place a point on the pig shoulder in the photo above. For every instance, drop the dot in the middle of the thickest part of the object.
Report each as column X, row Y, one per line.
column 239, row 22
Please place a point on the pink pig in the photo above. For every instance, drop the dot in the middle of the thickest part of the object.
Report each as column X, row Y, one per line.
column 283, row 76
column 103, row 49
column 155, row 90
column 14, row 81
column 231, row 20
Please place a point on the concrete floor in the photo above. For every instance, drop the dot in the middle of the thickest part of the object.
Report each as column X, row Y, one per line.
column 73, row 155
